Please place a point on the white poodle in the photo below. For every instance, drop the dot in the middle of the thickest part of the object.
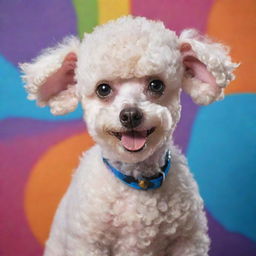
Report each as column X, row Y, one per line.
column 132, row 194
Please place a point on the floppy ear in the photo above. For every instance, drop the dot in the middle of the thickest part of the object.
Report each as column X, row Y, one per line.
column 208, row 69
column 50, row 78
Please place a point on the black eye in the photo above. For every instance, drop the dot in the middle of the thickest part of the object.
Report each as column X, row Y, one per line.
column 103, row 90
column 156, row 86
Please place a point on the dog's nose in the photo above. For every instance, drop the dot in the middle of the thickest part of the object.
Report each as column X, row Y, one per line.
column 131, row 117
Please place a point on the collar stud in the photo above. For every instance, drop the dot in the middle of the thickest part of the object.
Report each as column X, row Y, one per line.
column 143, row 184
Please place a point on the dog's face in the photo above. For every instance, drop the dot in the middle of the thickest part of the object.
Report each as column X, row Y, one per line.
column 131, row 88
column 131, row 118
column 128, row 75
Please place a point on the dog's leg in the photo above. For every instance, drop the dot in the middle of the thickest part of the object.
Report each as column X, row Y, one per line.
column 75, row 247
column 56, row 243
column 198, row 245
column 194, row 239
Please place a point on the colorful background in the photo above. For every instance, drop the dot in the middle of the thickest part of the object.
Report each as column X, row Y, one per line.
column 39, row 151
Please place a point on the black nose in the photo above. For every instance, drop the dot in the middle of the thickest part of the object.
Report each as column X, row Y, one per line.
column 131, row 117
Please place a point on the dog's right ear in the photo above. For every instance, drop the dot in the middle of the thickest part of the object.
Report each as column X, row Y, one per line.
column 50, row 78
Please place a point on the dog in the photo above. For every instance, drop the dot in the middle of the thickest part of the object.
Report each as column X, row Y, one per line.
column 132, row 193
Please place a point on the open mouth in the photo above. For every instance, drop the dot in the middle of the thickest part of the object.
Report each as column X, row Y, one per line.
column 133, row 141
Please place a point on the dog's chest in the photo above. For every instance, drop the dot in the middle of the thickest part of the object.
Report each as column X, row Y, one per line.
column 146, row 209
column 122, row 218
column 137, row 219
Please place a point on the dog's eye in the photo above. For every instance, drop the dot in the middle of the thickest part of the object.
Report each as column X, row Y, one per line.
column 156, row 86
column 103, row 90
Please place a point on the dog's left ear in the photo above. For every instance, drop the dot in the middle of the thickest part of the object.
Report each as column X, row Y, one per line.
column 208, row 68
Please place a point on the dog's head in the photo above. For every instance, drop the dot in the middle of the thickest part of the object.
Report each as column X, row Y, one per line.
column 128, row 75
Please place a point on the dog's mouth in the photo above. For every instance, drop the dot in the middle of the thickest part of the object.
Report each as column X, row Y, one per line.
column 133, row 141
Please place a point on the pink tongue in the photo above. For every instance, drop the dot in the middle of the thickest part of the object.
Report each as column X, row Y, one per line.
column 134, row 140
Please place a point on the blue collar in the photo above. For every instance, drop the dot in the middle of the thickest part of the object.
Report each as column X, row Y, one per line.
column 143, row 183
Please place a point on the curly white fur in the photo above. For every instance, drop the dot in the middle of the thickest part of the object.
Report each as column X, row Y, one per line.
column 139, row 48
column 218, row 63
column 99, row 215
column 110, row 218
column 36, row 72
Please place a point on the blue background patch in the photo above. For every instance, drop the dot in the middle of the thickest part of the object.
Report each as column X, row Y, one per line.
column 222, row 155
